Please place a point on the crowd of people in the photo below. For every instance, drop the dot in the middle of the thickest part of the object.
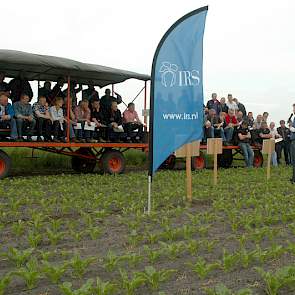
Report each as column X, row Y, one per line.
column 92, row 119
column 229, row 120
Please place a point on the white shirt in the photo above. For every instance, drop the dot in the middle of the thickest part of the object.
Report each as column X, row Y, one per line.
column 56, row 115
column 232, row 106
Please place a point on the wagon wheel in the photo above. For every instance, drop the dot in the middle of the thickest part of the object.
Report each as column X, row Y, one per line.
column 113, row 162
column 169, row 163
column 225, row 160
column 199, row 162
column 5, row 164
column 258, row 159
column 83, row 165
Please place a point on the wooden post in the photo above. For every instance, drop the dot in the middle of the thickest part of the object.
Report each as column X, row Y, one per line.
column 215, row 167
column 214, row 147
column 189, row 172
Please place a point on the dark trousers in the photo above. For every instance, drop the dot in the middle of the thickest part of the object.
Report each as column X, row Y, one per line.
column 57, row 131
column 22, row 124
column 285, row 146
column 292, row 153
column 82, row 133
column 129, row 127
column 44, row 127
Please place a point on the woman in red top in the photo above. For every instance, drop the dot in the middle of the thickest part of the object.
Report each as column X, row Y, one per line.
column 231, row 122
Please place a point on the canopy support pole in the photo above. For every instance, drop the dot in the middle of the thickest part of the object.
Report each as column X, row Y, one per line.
column 113, row 89
column 149, row 195
column 144, row 107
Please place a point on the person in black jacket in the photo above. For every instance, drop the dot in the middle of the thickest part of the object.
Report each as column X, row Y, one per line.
column 284, row 144
column 18, row 86
column 107, row 99
column 241, row 107
column 114, row 121
column 100, row 122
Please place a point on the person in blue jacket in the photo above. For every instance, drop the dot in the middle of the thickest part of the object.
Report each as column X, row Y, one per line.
column 7, row 116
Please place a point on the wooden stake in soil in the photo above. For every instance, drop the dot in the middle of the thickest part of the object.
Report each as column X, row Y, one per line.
column 268, row 148
column 214, row 147
column 188, row 151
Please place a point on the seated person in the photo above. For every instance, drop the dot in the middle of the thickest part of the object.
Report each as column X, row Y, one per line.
column 250, row 120
column 43, row 118
column 56, row 91
column 240, row 117
column 132, row 122
column 19, row 86
column 114, row 121
column 208, row 131
column 59, row 121
column 223, row 106
column 107, row 99
column 263, row 133
column 24, row 116
column 45, row 90
column 230, row 124
column 83, row 116
column 99, row 120
column 7, row 116
column 244, row 137
column 217, row 123
column 90, row 94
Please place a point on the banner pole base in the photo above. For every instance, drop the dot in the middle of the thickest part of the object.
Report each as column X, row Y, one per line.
column 149, row 194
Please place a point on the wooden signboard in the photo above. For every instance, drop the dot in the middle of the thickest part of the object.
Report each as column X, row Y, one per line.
column 194, row 149
column 268, row 148
column 214, row 147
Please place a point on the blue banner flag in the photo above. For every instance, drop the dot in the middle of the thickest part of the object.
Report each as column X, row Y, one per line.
column 176, row 115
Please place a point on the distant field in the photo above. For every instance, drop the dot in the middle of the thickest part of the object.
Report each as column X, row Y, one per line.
column 88, row 234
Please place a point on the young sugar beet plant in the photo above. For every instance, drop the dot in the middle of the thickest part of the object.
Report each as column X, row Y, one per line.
column 202, row 268
column 153, row 277
column 111, row 261
column 130, row 283
column 221, row 289
column 153, row 255
column 4, row 283
column 67, row 288
column 53, row 273
column 18, row 257
column 79, row 265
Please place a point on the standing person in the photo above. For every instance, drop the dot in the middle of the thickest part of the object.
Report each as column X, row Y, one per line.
column 241, row 107
column 4, row 88
column 19, row 86
column 90, row 94
column 244, row 137
column 24, row 116
column 250, row 120
column 214, row 104
column 132, row 122
column 284, row 132
column 231, row 122
column 231, row 104
column 265, row 116
column 43, row 119
column 275, row 135
column 107, row 99
column 45, row 90
column 292, row 145
column 262, row 133
column 73, row 92
column 223, row 106
column 7, row 116
column 56, row 91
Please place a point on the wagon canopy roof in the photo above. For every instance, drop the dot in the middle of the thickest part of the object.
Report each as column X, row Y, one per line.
column 45, row 67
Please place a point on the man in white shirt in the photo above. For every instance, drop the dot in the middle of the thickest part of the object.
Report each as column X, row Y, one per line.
column 231, row 104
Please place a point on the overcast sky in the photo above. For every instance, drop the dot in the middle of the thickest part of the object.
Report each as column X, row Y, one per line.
column 249, row 46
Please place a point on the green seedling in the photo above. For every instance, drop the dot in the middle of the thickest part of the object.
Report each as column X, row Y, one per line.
column 30, row 274
column 18, row 228
column 18, row 257
column 171, row 234
column 86, row 289
column 34, row 239
column 188, row 231
column 152, row 238
column 54, row 237
column 202, row 268
column 79, row 265
column 134, row 238
column 53, row 273
column 221, row 289
column 132, row 258
column 246, row 257
column 229, row 261
column 104, row 288
column 153, row 277
column 153, row 255
column 130, row 284
column 193, row 246
column 94, row 232
column 111, row 261
column 173, row 250
column 4, row 283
